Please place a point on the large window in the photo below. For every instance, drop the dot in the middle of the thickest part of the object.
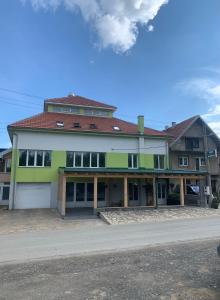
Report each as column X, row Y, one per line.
column 133, row 191
column 34, row 158
column 159, row 161
column 132, row 161
column 183, row 161
column 85, row 160
column 192, row 143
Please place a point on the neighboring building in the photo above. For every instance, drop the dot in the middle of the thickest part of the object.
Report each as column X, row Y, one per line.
column 5, row 171
column 77, row 154
column 194, row 146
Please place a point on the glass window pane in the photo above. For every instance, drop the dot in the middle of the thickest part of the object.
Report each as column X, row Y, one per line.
column 5, row 194
column 161, row 161
column 130, row 191
column 86, row 159
column 135, row 192
column 8, row 165
column 135, row 161
column 69, row 191
column 78, row 159
column 22, row 158
column 102, row 160
column 156, row 162
column 90, row 188
column 80, row 191
column 129, row 160
column 39, row 158
column 31, row 155
column 94, row 158
column 69, row 159
column 101, row 191
column 47, row 159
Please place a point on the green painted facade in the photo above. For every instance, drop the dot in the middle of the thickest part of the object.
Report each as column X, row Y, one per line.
column 58, row 159
column 41, row 174
column 146, row 161
column 116, row 160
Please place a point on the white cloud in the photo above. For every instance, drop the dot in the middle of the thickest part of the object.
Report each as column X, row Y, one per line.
column 150, row 28
column 115, row 21
column 207, row 90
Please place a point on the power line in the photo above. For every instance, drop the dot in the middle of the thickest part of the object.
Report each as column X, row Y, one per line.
column 21, row 93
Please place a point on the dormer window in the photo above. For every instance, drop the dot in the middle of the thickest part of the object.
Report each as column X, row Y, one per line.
column 76, row 125
column 93, row 126
column 60, row 124
column 116, row 128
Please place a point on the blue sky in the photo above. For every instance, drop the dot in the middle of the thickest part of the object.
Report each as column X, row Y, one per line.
column 164, row 64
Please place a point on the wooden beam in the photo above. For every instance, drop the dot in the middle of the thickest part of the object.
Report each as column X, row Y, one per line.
column 125, row 191
column 154, row 192
column 182, row 200
column 63, row 197
column 95, row 200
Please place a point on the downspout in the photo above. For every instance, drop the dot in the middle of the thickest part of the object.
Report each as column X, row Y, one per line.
column 13, row 177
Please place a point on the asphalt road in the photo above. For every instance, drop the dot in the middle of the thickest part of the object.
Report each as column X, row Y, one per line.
column 188, row 271
column 52, row 243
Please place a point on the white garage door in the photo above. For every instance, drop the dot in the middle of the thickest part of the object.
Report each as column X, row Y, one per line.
column 33, row 195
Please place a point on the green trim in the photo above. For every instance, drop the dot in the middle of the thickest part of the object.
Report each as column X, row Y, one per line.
column 42, row 174
column 116, row 160
column 134, row 171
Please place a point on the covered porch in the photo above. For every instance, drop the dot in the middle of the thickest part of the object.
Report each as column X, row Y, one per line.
column 103, row 189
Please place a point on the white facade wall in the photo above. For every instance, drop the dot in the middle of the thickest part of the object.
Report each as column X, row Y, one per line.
column 84, row 142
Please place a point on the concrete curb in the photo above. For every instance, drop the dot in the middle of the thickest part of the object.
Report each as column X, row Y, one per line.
column 104, row 218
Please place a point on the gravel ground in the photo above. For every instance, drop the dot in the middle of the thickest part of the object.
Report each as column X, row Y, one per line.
column 157, row 215
column 39, row 219
column 188, row 271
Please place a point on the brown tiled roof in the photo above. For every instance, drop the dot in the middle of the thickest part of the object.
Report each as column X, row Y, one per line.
column 48, row 120
column 178, row 129
column 79, row 101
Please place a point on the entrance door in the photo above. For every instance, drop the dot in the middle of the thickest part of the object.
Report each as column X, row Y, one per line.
column 161, row 193
column 80, row 194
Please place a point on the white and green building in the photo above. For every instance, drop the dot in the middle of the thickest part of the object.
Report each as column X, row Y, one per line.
column 77, row 154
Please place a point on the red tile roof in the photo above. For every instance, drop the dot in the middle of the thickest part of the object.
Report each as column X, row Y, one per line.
column 79, row 101
column 178, row 129
column 48, row 120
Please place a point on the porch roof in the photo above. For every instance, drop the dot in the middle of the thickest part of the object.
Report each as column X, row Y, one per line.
column 131, row 171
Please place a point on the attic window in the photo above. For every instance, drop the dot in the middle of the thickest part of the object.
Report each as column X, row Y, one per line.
column 93, row 126
column 116, row 128
column 76, row 125
column 60, row 124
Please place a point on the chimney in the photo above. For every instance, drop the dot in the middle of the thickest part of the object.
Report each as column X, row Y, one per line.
column 72, row 94
column 173, row 124
column 141, row 124
column 166, row 127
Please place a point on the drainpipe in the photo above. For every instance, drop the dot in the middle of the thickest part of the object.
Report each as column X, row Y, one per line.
column 13, row 175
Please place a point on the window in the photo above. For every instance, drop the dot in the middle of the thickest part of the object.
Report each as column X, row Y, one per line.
column 132, row 161
column 183, row 161
column 159, row 162
column 192, row 143
column 116, row 128
column 202, row 161
column 34, row 158
column 4, row 192
column 60, row 124
column 76, row 125
column 101, row 191
column 7, row 165
column 85, row 160
column 93, row 126
column 133, row 191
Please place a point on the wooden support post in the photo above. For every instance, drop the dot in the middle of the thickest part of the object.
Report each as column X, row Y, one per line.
column 125, row 191
column 63, row 197
column 181, row 192
column 154, row 192
column 95, row 200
